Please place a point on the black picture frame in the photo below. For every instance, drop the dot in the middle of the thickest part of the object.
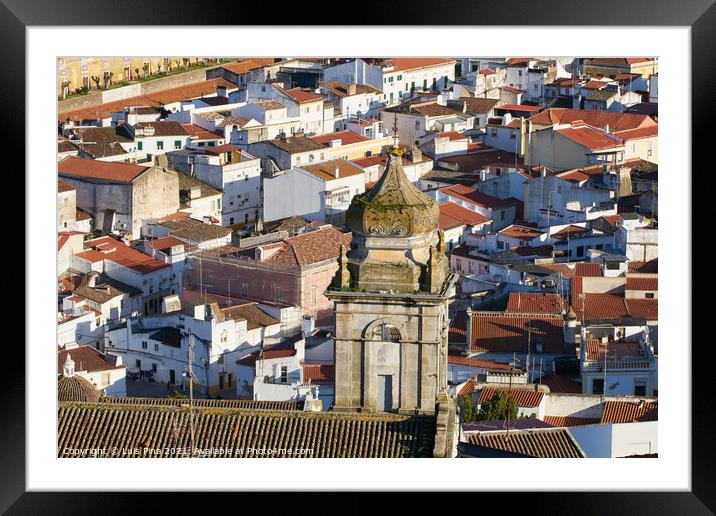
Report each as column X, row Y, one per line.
column 700, row 15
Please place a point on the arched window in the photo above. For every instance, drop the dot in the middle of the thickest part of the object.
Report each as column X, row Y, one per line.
column 386, row 332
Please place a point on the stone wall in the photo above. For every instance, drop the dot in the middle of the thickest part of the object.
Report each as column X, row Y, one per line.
column 132, row 90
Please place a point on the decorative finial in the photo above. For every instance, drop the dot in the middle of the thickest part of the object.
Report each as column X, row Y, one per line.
column 395, row 150
column 69, row 366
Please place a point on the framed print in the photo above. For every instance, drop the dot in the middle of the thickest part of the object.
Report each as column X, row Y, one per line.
column 357, row 246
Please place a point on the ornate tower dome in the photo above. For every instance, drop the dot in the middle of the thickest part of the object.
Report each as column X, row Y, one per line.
column 71, row 387
column 396, row 244
column 393, row 207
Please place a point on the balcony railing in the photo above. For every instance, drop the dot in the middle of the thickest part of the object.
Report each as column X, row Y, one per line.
column 617, row 365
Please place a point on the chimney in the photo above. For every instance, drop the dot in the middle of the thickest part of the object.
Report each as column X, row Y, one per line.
column 221, row 91
column 307, row 325
column 468, row 326
column 351, row 89
column 92, row 279
column 337, row 171
column 606, row 128
column 543, row 171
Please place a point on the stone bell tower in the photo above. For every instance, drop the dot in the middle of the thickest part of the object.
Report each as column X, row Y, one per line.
column 391, row 300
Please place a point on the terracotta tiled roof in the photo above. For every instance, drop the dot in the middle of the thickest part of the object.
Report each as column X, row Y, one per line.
column 251, row 313
column 544, row 443
column 318, row 373
column 478, row 105
column 535, row 302
column 340, row 89
column 63, row 187
column 453, row 215
column 86, row 358
column 521, row 232
column 629, row 411
column 452, row 135
column 486, row 71
column 520, row 107
column 528, row 398
column 207, row 403
column 311, row 247
column 642, row 282
column 326, row 170
column 570, row 420
column 328, row 434
column 200, row 133
column 641, row 132
column 618, row 61
column 158, row 98
column 588, row 270
column 511, row 89
column 402, row 64
column 507, row 332
column 602, row 306
column 650, row 267
column 474, row 162
column 468, row 388
column 246, row 65
column 295, row 144
column 591, row 137
column 570, row 231
column 646, row 308
column 477, row 362
column 194, row 230
column 163, row 128
column 561, row 383
column 615, row 121
column 104, row 170
column 107, row 248
column 299, row 95
column 471, row 195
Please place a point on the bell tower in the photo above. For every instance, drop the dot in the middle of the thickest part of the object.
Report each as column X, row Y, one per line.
column 391, row 296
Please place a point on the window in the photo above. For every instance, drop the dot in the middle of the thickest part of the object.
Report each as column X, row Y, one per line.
column 598, row 386
column 177, row 144
column 138, row 364
column 458, row 265
column 105, row 379
column 580, row 250
column 154, row 367
column 639, row 387
column 649, row 295
column 160, row 145
column 156, row 347
column 500, row 244
column 144, row 344
column 284, row 374
column 139, row 145
column 502, row 215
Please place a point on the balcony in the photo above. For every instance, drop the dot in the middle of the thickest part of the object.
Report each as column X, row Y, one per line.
column 618, row 365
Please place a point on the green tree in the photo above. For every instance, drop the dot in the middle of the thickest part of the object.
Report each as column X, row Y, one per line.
column 496, row 408
column 467, row 408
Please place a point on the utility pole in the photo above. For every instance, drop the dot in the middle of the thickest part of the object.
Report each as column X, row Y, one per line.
column 191, row 393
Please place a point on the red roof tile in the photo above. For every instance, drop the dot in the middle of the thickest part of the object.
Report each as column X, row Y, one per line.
column 311, row 247
column 641, row 132
column 646, row 308
column 642, row 282
column 561, row 383
column 318, row 373
column 346, row 137
column 471, row 195
column 468, row 388
column 86, row 358
column 164, row 243
column 535, row 302
column 200, row 133
column 508, row 332
column 477, row 362
column 570, row 231
column 521, row 232
column 63, row 187
column 519, row 107
column 95, row 169
column 522, row 397
column 591, row 137
column 107, row 248
column 453, row 215
column 650, row 267
column 299, row 95
column 593, row 270
column 602, row 306
column 629, row 411
column 414, row 63
column 158, row 98
column 243, row 66
column 615, row 121
column 570, row 420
